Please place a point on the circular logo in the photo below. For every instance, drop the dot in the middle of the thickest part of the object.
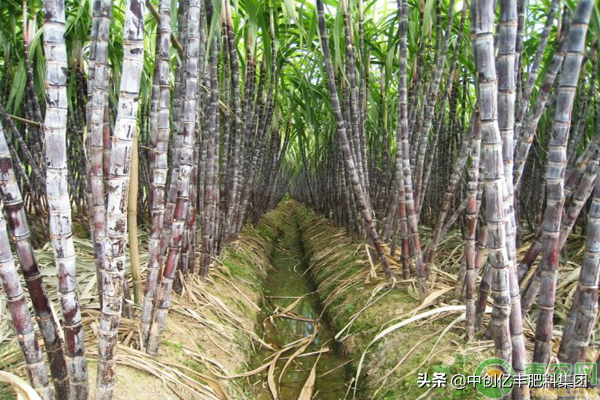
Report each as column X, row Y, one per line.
column 496, row 378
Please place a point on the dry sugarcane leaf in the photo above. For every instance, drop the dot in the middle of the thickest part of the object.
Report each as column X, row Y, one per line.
column 392, row 260
column 312, row 353
column 23, row 389
column 373, row 271
column 249, row 373
column 296, row 317
column 431, row 298
column 246, row 297
column 214, row 384
column 307, row 341
column 309, row 385
column 426, row 394
column 271, row 376
column 256, row 370
column 291, row 306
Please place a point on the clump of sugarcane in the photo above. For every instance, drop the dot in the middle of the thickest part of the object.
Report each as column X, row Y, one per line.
column 186, row 138
column 159, row 138
column 233, row 167
column 403, row 165
column 117, row 187
column 429, row 102
column 15, row 295
column 584, row 307
column 29, row 144
column 210, row 220
column 554, row 179
column 349, row 161
column 267, row 188
column 264, row 117
column 97, row 107
column 244, row 153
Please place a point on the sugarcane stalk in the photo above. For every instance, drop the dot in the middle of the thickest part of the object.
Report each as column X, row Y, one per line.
column 233, row 170
column 212, row 159
column 59, row 206
column 23, row 146
column 575, row 142
column 493, row 177
column 470, row 248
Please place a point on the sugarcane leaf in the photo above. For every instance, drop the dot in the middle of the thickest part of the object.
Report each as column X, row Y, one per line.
column 24, row 390
column 428, row 17
column 309, row 386
column 289, row 9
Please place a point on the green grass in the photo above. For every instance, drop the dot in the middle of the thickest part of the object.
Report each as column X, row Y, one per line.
column 234, row 268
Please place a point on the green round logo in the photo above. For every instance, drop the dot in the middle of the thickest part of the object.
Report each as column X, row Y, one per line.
column 496, row 378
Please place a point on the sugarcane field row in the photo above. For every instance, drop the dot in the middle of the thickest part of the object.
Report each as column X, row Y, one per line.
column 299, row 199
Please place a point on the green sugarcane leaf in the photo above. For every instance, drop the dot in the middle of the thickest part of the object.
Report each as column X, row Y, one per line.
column 428, row 17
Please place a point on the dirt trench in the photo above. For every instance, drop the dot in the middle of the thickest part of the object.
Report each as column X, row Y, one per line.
column 309, row 361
